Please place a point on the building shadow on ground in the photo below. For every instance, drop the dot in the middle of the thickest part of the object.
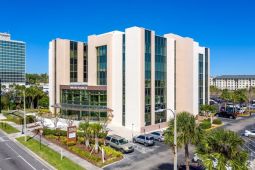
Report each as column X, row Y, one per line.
column 169, row 166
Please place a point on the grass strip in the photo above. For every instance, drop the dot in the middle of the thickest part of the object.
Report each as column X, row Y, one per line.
column 49, row 155
column 8, row 128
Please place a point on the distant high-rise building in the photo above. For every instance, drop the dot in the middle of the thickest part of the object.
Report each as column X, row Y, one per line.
column 12, row 60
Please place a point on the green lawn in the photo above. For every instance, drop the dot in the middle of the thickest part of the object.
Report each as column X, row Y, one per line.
column 8, row 128
column 49, row 155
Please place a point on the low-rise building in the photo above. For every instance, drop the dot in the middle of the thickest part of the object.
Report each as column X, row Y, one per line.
column 234, row 82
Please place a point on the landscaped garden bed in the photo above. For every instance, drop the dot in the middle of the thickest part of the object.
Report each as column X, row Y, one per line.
column 206, row 123
column 80, row 149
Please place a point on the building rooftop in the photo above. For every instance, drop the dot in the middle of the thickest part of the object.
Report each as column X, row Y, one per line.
column 7, row 37
column 236, row 77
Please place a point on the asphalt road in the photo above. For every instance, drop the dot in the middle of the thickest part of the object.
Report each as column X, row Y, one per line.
column 12, row 157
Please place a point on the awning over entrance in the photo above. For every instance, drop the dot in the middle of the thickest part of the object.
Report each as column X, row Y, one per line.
column 77, row 107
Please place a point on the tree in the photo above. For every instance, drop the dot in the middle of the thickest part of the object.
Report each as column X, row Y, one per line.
column 44, row 101
column 95, row 129
column 207, row 109
column 188, row 132
column 225, row 95
column 238, row 96
column 214, row 91
column 223, row 146
column 85, row 127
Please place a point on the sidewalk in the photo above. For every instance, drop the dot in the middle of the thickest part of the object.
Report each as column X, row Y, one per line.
column 83, row 163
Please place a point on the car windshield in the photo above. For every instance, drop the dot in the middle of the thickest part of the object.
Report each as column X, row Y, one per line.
column 123, row 141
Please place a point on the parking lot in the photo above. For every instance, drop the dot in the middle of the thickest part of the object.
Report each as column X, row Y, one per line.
column 160, row 156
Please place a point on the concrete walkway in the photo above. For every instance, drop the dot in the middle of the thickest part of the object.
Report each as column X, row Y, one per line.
column 83, row 163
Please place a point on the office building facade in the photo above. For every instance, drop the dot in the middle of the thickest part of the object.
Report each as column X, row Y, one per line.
column 133, row 75
column 12, row 60
column 234, row 82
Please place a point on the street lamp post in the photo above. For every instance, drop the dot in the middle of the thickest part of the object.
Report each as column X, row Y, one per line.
column 24, row 118
column 132, row 131
column 175, row 138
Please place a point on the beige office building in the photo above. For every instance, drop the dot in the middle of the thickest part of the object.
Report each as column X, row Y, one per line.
column 133, row 75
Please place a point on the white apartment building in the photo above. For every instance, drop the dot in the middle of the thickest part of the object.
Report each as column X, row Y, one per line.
column 234, row 82
column 134, row 75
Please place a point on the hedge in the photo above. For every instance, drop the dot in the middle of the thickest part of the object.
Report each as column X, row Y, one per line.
column 217, row 121
column 205, row 124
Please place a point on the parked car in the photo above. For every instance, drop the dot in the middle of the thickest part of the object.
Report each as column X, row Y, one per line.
column 146, row 140
column 241, row 110
column 228, row 114
column 250, row 133
column 158, row 135
column 119, row 143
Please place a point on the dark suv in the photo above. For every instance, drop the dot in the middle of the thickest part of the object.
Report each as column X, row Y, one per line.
column 229, row 113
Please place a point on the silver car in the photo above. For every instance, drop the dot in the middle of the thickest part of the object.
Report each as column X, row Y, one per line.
column 158, row 135
column 119, row 143
column 146, row 139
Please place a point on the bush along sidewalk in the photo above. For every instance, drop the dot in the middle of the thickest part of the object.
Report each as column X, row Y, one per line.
column 8, row 128
column 84, row 152
column 49, row 155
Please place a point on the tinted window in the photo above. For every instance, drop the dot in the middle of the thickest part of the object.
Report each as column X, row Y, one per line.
column 149, row 138
column 155, row 133
column 114, row 141
column 141, row 137
column 123, row 141
column 108, row 138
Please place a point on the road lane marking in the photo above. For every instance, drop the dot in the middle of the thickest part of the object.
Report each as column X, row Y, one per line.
column 20, row 156
column 8, row 158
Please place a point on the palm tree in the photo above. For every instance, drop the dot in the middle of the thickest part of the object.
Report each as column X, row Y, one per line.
column 96, row 128
column 85, row 127
column 188, row 132
column 223, row 146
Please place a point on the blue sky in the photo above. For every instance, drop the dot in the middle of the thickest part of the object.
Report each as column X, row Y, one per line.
column 225, row 26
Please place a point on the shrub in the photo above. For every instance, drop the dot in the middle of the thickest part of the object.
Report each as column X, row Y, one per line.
column 217, row 121
column 47, row 131
column 205, row 125
column 110, row 151
column 85, row 154
column 71, row 143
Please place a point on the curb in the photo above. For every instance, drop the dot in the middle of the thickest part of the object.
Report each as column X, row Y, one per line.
column 34, row 154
